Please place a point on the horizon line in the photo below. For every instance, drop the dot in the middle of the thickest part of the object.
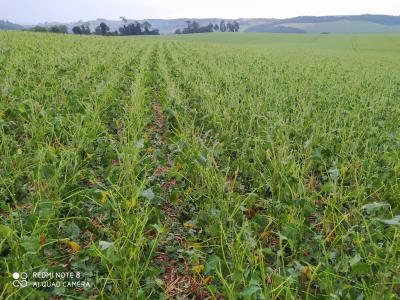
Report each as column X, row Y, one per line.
column 193, row 18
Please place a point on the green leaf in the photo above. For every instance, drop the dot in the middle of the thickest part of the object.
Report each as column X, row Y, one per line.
column 158, row 228
column 46, row 171
column 334, row 173
column 394, row 221
column 328, row 187
column 212, row 264
column 72, row 230
column 104, row 245
column 370, row 207
column 46, row 212
column 237, row 275
column 148, row 194
column 30, row 244
column 360, row 269
column 247, row 292
column 202, row 160
column 356, row 259
column 5, row 231
column 139, row 144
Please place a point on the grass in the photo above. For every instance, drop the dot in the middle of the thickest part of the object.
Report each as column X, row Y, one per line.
column 234, row 166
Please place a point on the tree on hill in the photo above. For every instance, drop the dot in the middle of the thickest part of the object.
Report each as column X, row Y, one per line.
column 58, row 29
column 102, row 29
column 146, row 26
column 39, row 29
column 136, row 29
column 85, row 29
column 236, row 26
column 131, row 29
column 194, row 27
column 222, row 26
column 232, row 27
column 77, row 30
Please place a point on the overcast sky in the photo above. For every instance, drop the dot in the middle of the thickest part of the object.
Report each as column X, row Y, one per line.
column 34, row 11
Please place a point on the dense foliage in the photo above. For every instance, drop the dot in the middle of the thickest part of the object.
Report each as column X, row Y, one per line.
column 194, row 27
column 229, row 166
column 82, row 29
column 102, row 29
column 53, row 29
column 138, row 29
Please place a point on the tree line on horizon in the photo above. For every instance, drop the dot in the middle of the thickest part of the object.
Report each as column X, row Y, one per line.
column 52, row 29
column 135, row 28
column 194, row 27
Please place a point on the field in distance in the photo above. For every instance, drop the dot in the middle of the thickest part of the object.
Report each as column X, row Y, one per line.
column 215, row 166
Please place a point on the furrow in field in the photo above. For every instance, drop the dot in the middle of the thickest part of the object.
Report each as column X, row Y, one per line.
column 177, row 272
column 208, row 201
column 186, row 102
column 131, row 252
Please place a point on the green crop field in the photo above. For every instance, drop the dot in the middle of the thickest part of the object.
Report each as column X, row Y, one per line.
column 220, row 166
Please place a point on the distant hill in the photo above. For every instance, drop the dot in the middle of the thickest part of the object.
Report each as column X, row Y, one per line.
column 272, row 27
column 6, row 25
column 332, row 24
column 344, row 27
column 303, row 24
column 378, row 19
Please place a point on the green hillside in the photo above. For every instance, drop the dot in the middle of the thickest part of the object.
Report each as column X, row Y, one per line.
column 7, row 25
column 331, row 24
column 344, row 27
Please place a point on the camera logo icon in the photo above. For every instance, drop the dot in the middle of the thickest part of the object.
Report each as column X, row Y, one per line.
column 20, row 279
